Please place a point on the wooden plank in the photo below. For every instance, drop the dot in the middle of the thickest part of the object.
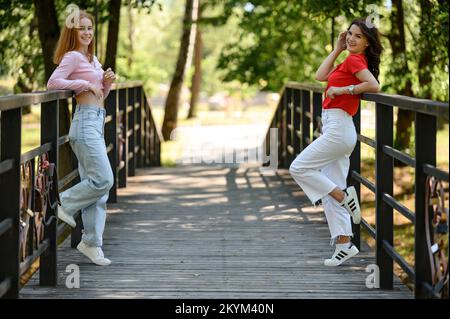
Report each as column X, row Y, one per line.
column 231, row 233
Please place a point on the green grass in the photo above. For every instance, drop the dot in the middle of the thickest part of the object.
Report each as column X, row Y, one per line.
column 30, row 138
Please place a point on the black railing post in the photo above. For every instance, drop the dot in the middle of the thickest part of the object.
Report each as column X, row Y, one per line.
column 384, row 184
column 151, row 140
column 149, row 129
column 305, row 121
column 123, row 119
column 425, row 140
column 283, row 127
column 144, row 131
column 153, row 147
column 355, row 165
column 10, row 200
column 279, row 126
column 296, row 126
column 139, row 132
column 132, row 136
column 48, row 272
column 289, row 127
column 157, row 148
column 111, row 138
column 317, row 114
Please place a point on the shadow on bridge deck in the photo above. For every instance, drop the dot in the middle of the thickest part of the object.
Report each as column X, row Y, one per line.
column 214, row 232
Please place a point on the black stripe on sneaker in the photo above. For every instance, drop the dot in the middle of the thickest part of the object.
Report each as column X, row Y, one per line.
column 338, row 258
column 351, row 201
column 343, row 252
column 341, row 255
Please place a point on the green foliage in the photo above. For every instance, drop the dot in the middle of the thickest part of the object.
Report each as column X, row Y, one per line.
column 156, row 38
column 155, row 44
column 281, row 40
column 20, row 48
column 421, row 36
column 261, row 43
column 20, row 51
column 287, row 40
column 270, row 48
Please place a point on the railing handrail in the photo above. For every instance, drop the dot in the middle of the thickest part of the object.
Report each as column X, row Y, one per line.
column 425, row 106
column 13, row 101
column 314, row 87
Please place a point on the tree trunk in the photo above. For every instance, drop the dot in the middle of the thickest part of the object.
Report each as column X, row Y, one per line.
column 130, row 34
column 197, row 76
column 171, row 106
column 100, row 42
column 48, row 32
column 48, row 35
column 332, row 33
column 426, row 51
column 113, row 34
column 400, row 66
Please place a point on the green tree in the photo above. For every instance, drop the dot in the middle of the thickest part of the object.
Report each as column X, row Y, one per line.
column 197, row 75
column 171, row 106
column 19, row 52
column 280, row 40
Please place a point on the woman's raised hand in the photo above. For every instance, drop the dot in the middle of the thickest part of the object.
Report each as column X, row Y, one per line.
column 342, row 41
column 109, row 76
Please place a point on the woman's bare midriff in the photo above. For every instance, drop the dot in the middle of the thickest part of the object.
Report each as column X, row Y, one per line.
column 88, row 98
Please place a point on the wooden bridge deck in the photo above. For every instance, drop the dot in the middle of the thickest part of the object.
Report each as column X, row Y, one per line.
column 214, row 232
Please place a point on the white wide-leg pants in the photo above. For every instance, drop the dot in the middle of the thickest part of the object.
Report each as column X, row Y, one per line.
column 324, row 164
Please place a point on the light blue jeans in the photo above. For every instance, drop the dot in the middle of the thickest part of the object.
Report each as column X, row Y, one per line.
column 86, row 137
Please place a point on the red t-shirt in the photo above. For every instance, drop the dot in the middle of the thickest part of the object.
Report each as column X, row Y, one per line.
column 344, row 75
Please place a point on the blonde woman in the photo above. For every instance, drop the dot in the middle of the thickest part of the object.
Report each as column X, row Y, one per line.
column 321, row 169
column 79, row 70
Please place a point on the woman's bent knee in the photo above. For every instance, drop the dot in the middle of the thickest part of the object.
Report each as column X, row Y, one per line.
column 103, row 185
column 298, row 170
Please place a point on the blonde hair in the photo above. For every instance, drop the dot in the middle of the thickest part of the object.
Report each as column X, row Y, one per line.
column 68, row 40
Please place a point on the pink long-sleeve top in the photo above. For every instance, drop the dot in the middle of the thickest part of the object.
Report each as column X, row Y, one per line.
column 75, row 72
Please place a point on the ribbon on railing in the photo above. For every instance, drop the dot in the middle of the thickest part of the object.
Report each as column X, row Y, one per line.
column 436, row 227
column 26, row 213
column 46, row 193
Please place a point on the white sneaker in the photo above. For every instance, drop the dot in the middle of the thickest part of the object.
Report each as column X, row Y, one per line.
column 351, row 204
column 95, row 254
column 62, row 215
column 341, row 255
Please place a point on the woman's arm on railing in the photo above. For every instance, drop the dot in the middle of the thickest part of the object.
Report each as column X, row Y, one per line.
column 326, row 67
column 59, row 79
column 368, row 85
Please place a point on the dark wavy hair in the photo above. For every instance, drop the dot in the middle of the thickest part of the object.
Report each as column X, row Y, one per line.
column 374, row 50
